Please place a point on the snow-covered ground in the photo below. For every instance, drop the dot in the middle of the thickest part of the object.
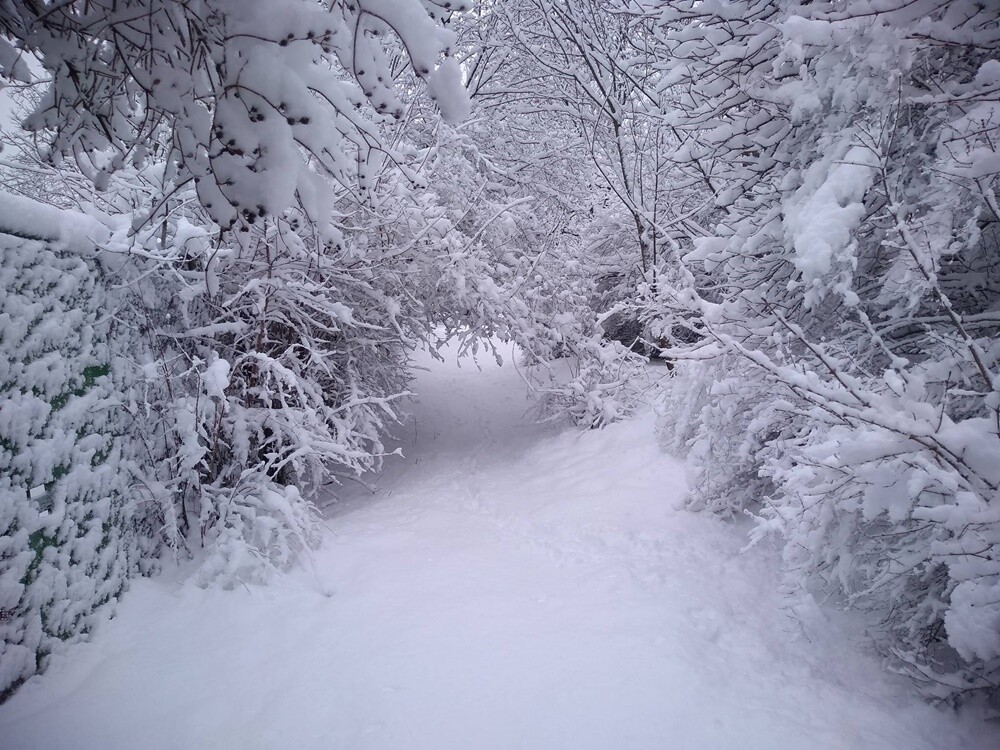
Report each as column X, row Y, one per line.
column 506, row 586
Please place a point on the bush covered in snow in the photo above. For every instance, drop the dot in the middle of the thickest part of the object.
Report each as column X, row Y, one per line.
column 848, row 294
column 66, row 539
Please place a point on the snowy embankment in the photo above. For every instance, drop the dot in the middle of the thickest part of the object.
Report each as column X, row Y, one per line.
column 506, row 586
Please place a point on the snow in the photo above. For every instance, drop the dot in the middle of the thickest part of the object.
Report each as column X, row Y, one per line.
column 821, row 219
column 216, row 379
column 23, row 216
column 445, row 87
column 507, row 585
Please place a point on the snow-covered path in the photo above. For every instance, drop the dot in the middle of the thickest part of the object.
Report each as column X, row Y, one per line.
column 508, row 586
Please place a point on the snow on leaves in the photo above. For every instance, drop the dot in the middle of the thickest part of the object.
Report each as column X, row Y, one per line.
column 66, row 541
